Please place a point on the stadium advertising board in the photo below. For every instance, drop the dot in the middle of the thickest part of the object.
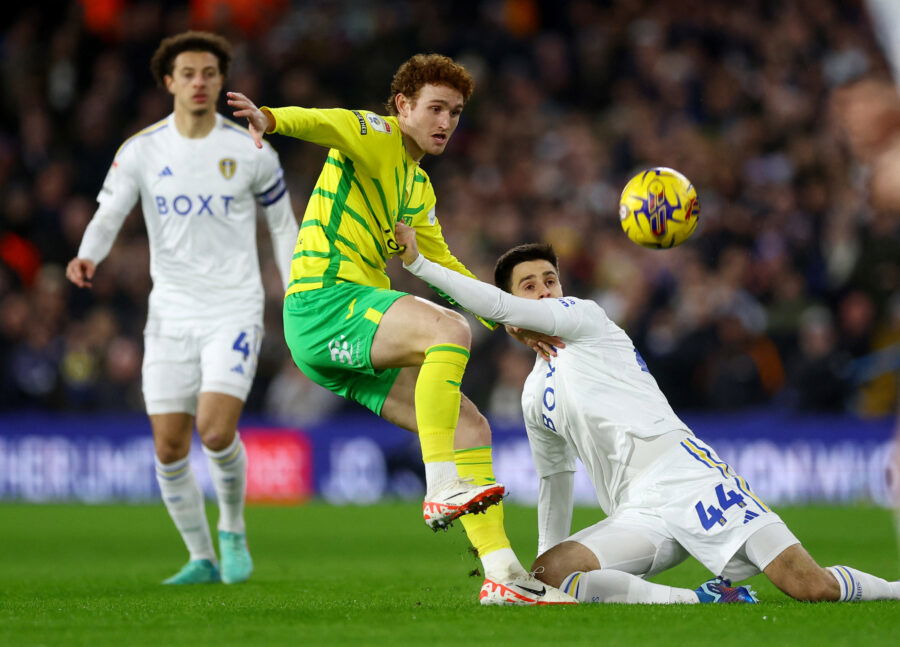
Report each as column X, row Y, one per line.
column 362, row 459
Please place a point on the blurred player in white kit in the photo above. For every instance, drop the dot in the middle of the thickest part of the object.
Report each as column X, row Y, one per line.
column 199, row 182
column 869, row 111
column 666, row 493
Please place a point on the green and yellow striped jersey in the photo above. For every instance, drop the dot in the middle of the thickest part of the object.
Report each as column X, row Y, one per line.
column 368, row 183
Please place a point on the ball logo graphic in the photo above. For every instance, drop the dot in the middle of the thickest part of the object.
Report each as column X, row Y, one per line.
column 659, row 208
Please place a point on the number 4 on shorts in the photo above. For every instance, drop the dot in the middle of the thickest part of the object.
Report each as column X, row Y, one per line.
column 712, row 515
column 241, row 345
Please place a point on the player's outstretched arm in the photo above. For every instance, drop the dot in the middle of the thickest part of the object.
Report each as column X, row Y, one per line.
column 476, row 296
column 259, row 121
column 80, row 271
column 539, row 342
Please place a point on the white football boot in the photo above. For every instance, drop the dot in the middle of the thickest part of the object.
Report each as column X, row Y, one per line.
column 522, row 590
column 460, row 496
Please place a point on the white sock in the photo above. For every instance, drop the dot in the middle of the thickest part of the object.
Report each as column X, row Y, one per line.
column 438, row 475
column 605, row 585
column 857, row 586
column 502, row 565
column 228, row 471
column 184, row 501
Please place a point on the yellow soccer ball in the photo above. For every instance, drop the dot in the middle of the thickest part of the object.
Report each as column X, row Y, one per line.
column 659, row 208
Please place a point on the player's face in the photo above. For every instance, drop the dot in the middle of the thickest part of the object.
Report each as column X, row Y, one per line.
column 535, row 280
column 195, row 82
column 428, row 121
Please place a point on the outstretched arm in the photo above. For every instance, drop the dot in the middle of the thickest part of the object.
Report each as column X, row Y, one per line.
column 478, row 297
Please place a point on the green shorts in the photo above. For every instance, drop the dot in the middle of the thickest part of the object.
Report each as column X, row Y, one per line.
column 330, row 331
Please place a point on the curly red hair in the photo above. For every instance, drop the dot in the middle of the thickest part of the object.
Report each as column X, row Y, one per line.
column 423, row 69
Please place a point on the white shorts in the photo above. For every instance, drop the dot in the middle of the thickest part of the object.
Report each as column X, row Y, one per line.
column 179, row 365
column 688, row 503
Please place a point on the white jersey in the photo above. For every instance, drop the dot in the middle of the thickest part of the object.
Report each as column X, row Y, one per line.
column 592, row 401
column 885, row 16
column 595, row 401
column 199, row 198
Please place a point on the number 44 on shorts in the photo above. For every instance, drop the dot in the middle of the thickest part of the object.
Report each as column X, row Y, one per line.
column 712, row 515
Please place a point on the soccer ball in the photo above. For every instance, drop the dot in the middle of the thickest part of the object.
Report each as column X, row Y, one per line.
column 659, row 208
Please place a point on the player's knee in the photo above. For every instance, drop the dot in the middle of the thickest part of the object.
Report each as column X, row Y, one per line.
column 453, row 328
column 215, row 438
column 169, row 450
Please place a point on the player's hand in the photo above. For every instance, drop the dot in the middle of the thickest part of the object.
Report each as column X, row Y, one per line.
column 259, row 122
column 80, row 271
column 406, row 238
column 544, row 345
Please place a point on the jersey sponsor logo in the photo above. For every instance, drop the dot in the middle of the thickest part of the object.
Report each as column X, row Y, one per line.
column 227, row 167
column 432, row 218
column 197, row 205
column 378, row 123
column 567, row 301
column 548, row 400
column 362, row 123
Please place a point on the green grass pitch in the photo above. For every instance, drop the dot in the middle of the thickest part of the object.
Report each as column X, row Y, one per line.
column 88, row 575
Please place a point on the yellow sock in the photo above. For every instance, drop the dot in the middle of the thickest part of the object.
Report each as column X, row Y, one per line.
column 437, row 400
column 485, row 531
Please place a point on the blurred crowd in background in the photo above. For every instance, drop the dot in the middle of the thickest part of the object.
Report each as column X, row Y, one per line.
column 787, row 295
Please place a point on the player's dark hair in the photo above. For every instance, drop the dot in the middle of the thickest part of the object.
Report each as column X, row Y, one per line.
column 521, row 254
column 163, row 61
column 423, row 69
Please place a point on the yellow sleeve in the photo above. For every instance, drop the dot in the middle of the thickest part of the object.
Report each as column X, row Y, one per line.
column 358, row 134
column 433, row 247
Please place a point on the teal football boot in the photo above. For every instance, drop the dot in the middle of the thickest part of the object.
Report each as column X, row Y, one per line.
column 196, row 571
column 237, row 565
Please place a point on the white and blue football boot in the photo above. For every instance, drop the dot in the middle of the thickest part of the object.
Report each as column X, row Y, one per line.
column 719, row 589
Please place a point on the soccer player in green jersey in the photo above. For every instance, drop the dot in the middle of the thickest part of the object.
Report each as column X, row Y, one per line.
column 401, row 356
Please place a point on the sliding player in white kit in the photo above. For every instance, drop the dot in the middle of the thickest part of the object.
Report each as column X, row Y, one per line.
column 199, row 182
column 665, row 492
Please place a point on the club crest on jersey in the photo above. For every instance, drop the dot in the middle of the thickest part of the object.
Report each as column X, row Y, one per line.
column 227, row 167
column 378, row 123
